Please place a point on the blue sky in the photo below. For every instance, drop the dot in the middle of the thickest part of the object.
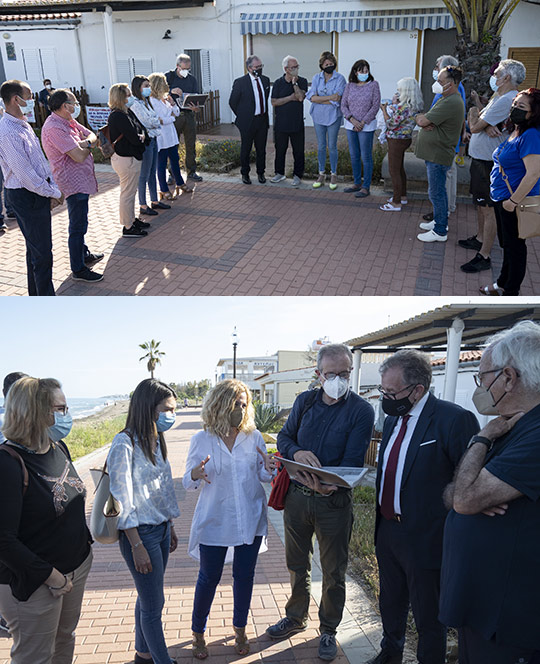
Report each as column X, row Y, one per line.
column 91, row 344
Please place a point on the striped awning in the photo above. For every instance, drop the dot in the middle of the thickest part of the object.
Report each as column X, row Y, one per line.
column 351, row 21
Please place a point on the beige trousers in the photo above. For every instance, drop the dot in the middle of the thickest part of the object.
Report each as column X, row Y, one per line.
column 128, row 170
column 43, row 628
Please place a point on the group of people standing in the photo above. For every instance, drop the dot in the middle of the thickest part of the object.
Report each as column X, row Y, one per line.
column 457, row 515
column 145, row 125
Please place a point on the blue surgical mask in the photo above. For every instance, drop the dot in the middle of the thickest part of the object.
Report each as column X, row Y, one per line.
column 362, row 77
column 146, row 92
column 493, row 83
column 165, row 421
column 435, row 74
column 76, row 111
column 61, row 427
column 29, row 106
column 130, row 101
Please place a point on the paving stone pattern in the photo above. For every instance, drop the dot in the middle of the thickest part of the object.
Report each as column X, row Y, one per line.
column 105, row 634
column 231, row 239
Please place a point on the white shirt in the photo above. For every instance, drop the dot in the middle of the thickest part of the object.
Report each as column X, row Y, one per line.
column 144, row 490
column 147, row 117
column 232, row 509
column 414, row 413
column 254, row 83
column 168, row 137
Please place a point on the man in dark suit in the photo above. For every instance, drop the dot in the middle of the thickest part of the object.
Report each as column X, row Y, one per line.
column 249, row 102
column 423, row 440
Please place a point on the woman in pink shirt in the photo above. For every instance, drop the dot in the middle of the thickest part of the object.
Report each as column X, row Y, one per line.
column 359, row 105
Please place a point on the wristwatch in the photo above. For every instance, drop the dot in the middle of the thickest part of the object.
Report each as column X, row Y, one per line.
column 481, row 439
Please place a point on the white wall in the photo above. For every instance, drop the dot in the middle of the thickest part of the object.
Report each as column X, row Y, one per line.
column 464, row 389
column 522, row 28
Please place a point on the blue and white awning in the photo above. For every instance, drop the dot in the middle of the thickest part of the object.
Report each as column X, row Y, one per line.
column 351, row 21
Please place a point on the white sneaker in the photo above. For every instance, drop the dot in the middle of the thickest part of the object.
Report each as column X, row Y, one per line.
column 431, row 236
column 296, row 181
column 277, row 178
column 427, row 225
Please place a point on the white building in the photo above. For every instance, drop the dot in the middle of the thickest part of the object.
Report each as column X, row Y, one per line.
column 248, row 369
column 92, row 43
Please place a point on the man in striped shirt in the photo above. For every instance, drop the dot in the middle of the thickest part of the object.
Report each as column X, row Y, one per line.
column 32, row 190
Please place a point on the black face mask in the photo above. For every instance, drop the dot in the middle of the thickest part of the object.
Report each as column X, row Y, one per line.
column 330, row 69
column 258, row 71
column 518, row 115
column 397, row 407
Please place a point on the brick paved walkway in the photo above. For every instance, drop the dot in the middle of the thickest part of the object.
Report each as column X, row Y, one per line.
column 106, row 630
column 231, row 239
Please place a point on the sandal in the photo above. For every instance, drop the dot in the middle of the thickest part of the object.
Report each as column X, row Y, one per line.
column 494, row 289
column 390, row 207
column 198, row 647
column 241, row 643
column 186, row 189
column 404, row 201
column 166, row 196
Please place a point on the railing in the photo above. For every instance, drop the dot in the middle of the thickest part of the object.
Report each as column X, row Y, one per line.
column 207, row 117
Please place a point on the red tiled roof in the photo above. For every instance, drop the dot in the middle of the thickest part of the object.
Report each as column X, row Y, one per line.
column 465, row 356
column 60, row 16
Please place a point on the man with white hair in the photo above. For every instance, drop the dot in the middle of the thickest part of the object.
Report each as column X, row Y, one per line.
column 181, row 82
column 288, row 96
column 487, row 133
column 490, row 580
column 327, row 427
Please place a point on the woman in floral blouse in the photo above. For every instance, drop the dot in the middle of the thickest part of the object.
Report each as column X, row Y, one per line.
column 400, row 122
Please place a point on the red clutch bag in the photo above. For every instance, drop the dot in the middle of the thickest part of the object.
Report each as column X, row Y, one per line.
column 280, row 486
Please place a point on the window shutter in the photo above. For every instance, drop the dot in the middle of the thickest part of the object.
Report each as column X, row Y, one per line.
column 32, row 65
column 143, row 66
column 530, row 57
column 48, row 63
column 206, row 71
column 123, row 71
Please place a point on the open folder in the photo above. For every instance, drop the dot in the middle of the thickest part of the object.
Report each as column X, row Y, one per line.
column 339, row 475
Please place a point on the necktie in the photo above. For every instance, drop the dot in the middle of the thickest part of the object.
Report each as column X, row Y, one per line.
column 261, row 98
column 387, row 501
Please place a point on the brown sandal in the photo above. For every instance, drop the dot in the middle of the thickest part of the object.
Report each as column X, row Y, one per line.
column 241, row 643
column 184, row 188
column 198, row 648
column 166, row 196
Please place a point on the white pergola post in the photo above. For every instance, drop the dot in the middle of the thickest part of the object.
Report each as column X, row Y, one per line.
column 357, row 363
column 453, row 336
column 109, row 44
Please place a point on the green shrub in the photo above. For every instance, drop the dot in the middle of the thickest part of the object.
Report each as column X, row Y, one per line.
column 221, row 156
column 266, row 416
column 344, row 162
column 87, row 436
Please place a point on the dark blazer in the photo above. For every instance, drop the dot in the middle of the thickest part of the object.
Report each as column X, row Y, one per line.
column 242, row 100
column 439, row 440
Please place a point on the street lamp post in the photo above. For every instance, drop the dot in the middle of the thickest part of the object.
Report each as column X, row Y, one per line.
column 234, row 339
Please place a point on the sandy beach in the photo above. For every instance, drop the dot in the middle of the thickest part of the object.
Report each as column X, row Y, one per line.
column 108, row 413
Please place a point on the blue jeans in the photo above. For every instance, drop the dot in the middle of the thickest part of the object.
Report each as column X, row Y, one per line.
column 170, row 154
column 361, row 151
column 322, row 132
column 149, row 636
column 212, row 560
column 148, row 173
column 436, row 174
column 77, row 205
column 33, row 213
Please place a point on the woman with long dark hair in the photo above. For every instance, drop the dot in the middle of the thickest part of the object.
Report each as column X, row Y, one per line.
column 141, row 480
column 515, row 175
column 227, row 462
column 45, row 545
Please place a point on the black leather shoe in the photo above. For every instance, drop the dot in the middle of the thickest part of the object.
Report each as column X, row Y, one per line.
column 140, row 660
column 261, row 177
column 384, row 657
column 160, row 206
column 92, row 259
column 246, row 179
column 428, row 216
column 138, row 223
column 148, row 211
column 195, row 177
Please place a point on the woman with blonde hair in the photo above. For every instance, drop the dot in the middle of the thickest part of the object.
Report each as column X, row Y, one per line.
column 167, row 141
column 128, row 137
column 400, row 121
column 45, row 545
column 227, row 462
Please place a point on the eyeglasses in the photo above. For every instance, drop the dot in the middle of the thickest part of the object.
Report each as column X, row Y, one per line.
column 61, row 408
column 478, row 376
column 343, row 374
column 387, row 395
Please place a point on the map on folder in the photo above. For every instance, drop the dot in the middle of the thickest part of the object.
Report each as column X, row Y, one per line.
column 339, row 475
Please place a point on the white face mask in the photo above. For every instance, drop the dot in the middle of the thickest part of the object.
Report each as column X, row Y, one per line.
column 336, row 388
column 76, row 111
column 437, row 88
column 493, row 83
column 183, row 72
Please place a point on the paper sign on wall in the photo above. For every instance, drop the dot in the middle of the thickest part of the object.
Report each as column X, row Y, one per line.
column 97, row 116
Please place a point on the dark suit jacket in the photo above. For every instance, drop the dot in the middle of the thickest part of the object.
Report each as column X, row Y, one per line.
column 439, row 440
column 242, row 101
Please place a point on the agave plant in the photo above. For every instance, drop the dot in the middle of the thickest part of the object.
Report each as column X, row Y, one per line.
column 265, row 416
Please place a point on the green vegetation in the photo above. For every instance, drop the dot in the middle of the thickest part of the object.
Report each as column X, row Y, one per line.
column 87, row 436
column 192, row 391
column 220, row 156
column 153, row 355
column 266, row 417
column 362, row 548
column 344, row 162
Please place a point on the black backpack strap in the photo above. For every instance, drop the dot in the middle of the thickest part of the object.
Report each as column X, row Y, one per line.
column 309, row 402
column 15, row 455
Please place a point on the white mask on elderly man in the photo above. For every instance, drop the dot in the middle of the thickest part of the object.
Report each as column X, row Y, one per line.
column 183, row 72
column 336, row 387
column 437, row 88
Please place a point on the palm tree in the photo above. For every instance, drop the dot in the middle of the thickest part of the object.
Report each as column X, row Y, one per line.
column 479, row 24
column 153, row 355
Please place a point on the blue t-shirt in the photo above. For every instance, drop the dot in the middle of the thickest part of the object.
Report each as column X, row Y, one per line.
column 461, row 90
column 510, row 155
column 338, row 435
column 490, row 580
